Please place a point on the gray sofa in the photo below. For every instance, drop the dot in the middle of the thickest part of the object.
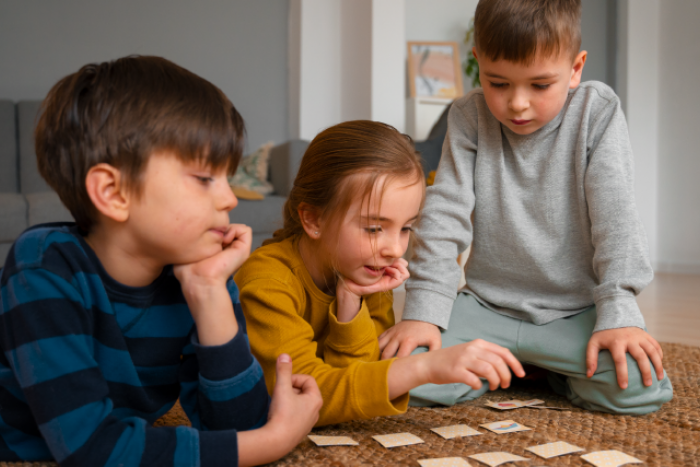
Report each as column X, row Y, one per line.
column 26, row 199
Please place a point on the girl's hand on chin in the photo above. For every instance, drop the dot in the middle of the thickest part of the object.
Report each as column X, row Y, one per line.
column 394, row 276
column 349, row 293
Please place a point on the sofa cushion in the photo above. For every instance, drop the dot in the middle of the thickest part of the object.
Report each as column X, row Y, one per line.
column 13, row 216
column 262, row 216
column 251, row 173
column 9, row 182
column 46, row 207
column 29, row 179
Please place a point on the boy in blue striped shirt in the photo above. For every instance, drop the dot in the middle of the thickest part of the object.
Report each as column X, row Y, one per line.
column 106, row 322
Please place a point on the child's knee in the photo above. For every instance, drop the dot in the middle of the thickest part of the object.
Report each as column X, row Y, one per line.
column 602, row 391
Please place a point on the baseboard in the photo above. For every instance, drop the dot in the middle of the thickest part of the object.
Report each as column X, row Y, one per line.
column 677, row 267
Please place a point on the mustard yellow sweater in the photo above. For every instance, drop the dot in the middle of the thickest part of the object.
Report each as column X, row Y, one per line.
column 286, row 313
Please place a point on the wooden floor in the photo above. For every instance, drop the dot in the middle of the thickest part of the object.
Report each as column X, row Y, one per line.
column 671, row 308
column 670, row 305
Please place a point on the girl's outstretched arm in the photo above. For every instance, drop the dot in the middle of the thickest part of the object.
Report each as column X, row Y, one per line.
column 464, row 363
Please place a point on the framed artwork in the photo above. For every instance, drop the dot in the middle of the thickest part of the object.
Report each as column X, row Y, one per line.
column 434, row 69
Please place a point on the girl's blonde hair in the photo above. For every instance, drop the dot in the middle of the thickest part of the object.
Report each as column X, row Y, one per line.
column 326, row 179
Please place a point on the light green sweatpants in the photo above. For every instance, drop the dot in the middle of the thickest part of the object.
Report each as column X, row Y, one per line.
column 560, row 347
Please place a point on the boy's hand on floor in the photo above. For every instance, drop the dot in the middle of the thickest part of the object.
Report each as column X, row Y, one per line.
column 466, row 363
column 403, row 338
column 296, row 401
column 620, row 342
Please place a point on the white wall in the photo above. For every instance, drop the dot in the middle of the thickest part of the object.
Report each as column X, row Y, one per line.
column 238, row 45
column 598, row 39
column 346, row 62
column 639, row 21
column 315, row 74
column 441, row 20
column 679, row 137
column 658, row 64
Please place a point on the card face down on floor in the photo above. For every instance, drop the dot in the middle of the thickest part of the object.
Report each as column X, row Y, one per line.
column 514, row 404
column 506, row 426
column 493, row 459
column 333, row 440
column 553, row 449
column 455, row 431
column 609, row 459
column 444, row 462
column 397, row 439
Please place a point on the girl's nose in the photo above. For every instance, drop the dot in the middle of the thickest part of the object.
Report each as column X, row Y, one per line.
column 393, row 247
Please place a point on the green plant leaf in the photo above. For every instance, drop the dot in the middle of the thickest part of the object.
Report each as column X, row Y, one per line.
column 471, row 66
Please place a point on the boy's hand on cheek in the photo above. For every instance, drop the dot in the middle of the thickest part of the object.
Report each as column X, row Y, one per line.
column 204, row 287
column 218, row 268
column 635, row 341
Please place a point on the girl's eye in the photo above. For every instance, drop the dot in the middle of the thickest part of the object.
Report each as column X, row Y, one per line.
column 497, row 85
column 407, row 229
column 541, row 87
column 373, row 230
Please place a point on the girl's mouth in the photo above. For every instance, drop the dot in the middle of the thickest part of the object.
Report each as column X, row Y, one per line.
column 374, row 271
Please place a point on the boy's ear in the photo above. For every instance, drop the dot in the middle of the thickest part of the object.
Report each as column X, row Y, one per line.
column 106, row 189
column 577, row 69
column 310, row 220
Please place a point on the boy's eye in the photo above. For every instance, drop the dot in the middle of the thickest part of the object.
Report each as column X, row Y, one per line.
column 205, row 180
column 497, row 85
column 541, row 87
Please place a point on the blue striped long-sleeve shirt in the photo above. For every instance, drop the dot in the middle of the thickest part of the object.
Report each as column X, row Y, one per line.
column 88, row 364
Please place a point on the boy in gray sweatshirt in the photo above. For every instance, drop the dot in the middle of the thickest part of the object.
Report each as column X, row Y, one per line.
column 537, row 175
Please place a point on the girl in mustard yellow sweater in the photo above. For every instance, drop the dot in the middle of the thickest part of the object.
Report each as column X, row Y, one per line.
column 320, row 290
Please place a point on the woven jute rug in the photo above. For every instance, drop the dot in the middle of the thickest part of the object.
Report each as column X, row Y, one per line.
column 667, row 438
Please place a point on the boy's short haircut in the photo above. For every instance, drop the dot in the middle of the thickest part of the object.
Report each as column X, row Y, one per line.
column 519, row 30
column 119, row 113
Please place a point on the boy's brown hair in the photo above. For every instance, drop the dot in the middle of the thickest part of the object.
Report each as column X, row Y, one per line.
column 122, row 111
column 519, row 30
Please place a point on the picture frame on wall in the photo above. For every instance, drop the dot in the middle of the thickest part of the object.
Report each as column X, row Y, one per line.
column 434, row 69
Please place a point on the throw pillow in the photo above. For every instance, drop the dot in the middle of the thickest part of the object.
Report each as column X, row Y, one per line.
column 244, row 193
column 252, row 171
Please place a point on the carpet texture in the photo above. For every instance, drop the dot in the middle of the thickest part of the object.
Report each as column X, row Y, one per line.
column 667, row 438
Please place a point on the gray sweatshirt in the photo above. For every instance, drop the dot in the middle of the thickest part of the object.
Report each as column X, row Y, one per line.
column 552, row 217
